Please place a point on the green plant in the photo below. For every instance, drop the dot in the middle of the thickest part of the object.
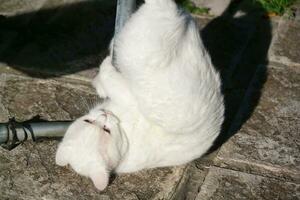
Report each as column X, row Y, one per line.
column 278, row 7
column 189, row 6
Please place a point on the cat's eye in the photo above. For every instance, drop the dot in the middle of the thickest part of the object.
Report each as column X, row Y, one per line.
column 107, row 130
column 88, row 121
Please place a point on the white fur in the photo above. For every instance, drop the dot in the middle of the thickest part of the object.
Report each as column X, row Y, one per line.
column 160, row 53
column 166, row 95
column 90, row 150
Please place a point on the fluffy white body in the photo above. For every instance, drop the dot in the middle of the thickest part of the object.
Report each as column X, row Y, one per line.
column 166, row 96
column 160, row 53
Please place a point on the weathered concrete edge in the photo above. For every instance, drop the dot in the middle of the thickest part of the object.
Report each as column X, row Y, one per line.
column 207, row 190
column 264, row 170
column 261, row 169
column 272, row 57
column 71, row 78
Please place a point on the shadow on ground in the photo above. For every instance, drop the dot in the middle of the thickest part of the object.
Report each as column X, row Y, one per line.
column 238, row 42
column 58, row 41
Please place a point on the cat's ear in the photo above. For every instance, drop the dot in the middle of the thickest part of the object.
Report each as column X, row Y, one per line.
column 100, row 179
column 61, row 155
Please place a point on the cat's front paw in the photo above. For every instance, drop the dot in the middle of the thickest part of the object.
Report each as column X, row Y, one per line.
column 104, row 74
column 97, row 83
column 106, row 68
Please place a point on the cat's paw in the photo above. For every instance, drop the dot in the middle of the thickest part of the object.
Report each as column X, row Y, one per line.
column 105, row 71
column 106, row 68
column 97, row 84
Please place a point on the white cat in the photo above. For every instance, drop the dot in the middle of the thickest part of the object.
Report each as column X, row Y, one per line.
column 166, row 98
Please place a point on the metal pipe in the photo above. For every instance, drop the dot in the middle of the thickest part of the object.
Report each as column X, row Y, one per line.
column 14, row 133
column 3, row 133
column 124, row 10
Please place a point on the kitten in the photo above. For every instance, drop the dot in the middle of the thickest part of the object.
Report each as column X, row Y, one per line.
column 166, row 96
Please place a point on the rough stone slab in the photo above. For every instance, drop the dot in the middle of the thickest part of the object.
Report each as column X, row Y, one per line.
column 285, row 45
column 60, row 3
column 268, row 144
column 24, row 98
column 197, row 172
column 16, row 7
column 13, row 7
column 29, row 171
column 233, row 185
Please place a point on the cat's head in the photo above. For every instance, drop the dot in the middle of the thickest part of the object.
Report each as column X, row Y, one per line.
column 93, row 146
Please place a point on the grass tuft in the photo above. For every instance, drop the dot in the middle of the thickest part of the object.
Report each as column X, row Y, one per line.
column 278, row 7
column 190, row 6
column 273, row 7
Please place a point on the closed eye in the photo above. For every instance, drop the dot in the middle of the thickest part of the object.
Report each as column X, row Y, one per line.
column 88, row 121
column 107, row 130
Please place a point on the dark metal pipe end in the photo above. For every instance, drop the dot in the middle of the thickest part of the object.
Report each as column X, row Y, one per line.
column 14, row 133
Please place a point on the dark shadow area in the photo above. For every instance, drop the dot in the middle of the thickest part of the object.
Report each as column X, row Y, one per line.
column 238, row 42
column 58, row 41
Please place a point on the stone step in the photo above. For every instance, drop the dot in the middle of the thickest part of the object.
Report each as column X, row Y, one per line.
column 53, row 100
column 285, row 44
column 29, row 171
column 268, row 144
column 229, row 184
